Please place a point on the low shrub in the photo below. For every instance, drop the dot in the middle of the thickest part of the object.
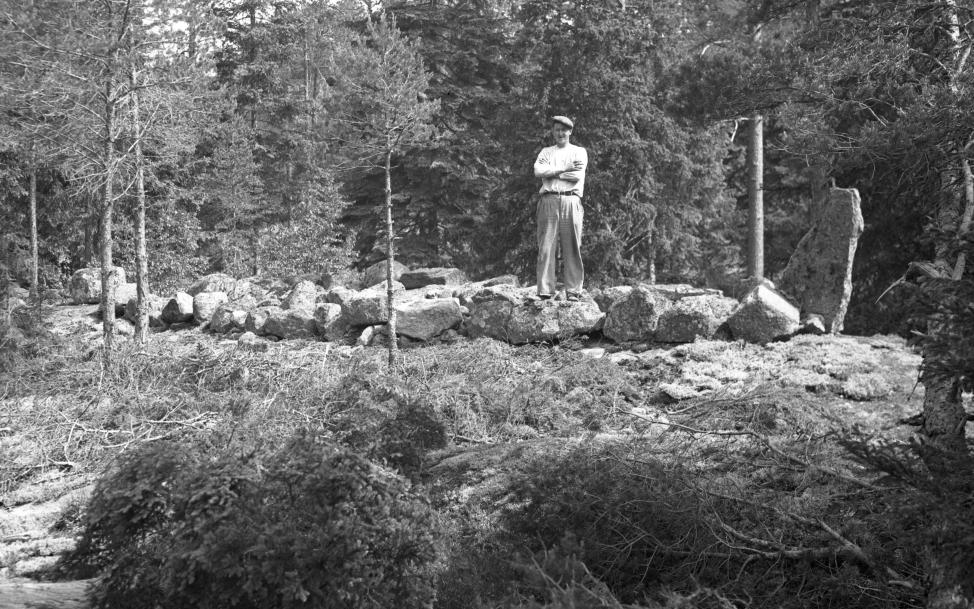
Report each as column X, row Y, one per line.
column 311, row 524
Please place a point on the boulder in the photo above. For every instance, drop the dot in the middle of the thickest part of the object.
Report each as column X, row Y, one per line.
column 635, row 316
column 228, row 318
column 205, row 304
column 424, row 319
column 257, row 318
column 694, row 317
column 155, row 306
column 376, row 273
column 245, row 291
column 607, row 297
column 124, row 292
column 289, row 323
column 214, row 282
column 432, row 276
column 763, row 316
column 327, row 314
column 84, row 286
column 178, row 309
column 368, row 307
column 818, row 276
column 507, row 313
column 339, row 295
column 302, row 297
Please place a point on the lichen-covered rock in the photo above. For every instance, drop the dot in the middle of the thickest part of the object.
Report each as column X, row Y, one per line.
column 339, row 295
column 178, row 309
column 819, row 273
column 763, row 316
column 694, row 317
column 302, row 297
column 635, row 316
column 214, row 282
column 507, row 313
column 376, row 273
column 424, row 319
column 289, row 323
column 84, row 286
column 205, row 304
column 419, row 278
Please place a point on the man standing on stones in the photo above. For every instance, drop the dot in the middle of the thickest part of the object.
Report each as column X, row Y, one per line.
column 562, row 171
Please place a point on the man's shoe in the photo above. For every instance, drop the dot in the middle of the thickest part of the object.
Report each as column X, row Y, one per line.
column 574, row 297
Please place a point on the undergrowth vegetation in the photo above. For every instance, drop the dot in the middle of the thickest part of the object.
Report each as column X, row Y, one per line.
column 477, row 475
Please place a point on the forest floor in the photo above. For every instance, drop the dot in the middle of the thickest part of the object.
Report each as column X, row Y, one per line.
column 742, row 453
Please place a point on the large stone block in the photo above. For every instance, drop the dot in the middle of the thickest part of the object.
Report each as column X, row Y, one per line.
column 155, row 305
column 763, row 316
column 426, row 318
column 302, row 297
column 289, row 323
column 419, row 278
column 228, row 318
column 635, row 316
column 694, row 317
column 507, row 313
column 376, row 273
column 178, row 309
column 205, row 304
column 819, row 273
column 368, row 307
column 84, row 286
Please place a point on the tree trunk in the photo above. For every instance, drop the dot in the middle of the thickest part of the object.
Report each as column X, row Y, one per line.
column 34, row 255
column 390, row 259
column 651, row 271
column 965, row 220
column 108, row 279
column 755, row 195
column 141, row 259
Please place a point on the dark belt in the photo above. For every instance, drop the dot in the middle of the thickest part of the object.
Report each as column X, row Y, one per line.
column 567, row 193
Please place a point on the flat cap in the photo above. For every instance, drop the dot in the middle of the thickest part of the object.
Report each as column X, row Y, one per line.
column 564, row 120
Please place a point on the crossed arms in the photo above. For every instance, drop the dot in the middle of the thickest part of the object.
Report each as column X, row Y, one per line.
column 572, row 173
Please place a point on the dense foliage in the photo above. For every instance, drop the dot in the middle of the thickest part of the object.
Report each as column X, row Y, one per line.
column 179, row 525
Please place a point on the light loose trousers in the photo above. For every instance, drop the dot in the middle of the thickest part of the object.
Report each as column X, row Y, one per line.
column 559, row 223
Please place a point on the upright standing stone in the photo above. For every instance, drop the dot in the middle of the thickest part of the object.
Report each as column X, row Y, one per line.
column 819, row 273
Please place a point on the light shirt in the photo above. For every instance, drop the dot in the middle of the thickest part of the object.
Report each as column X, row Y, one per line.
column 554, row 157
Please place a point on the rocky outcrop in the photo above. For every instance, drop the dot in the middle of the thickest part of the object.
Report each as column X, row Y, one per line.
column 178, row 309
column 501, row 280
column 84, row 286
column 432, row 276
column 426, row 318
column 819, row 273
column 376, row 273
column 763, row 316
column 509, row 314
column 215, row 282
column 205, row 304
column 256, row 320
column 694, row 317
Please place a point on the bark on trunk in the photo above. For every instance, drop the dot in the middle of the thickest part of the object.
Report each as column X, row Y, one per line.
column 141, row 259
column 755, row 192
column 35, row 292
column 965, row 220
column 108, row 279
column 390, row 254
